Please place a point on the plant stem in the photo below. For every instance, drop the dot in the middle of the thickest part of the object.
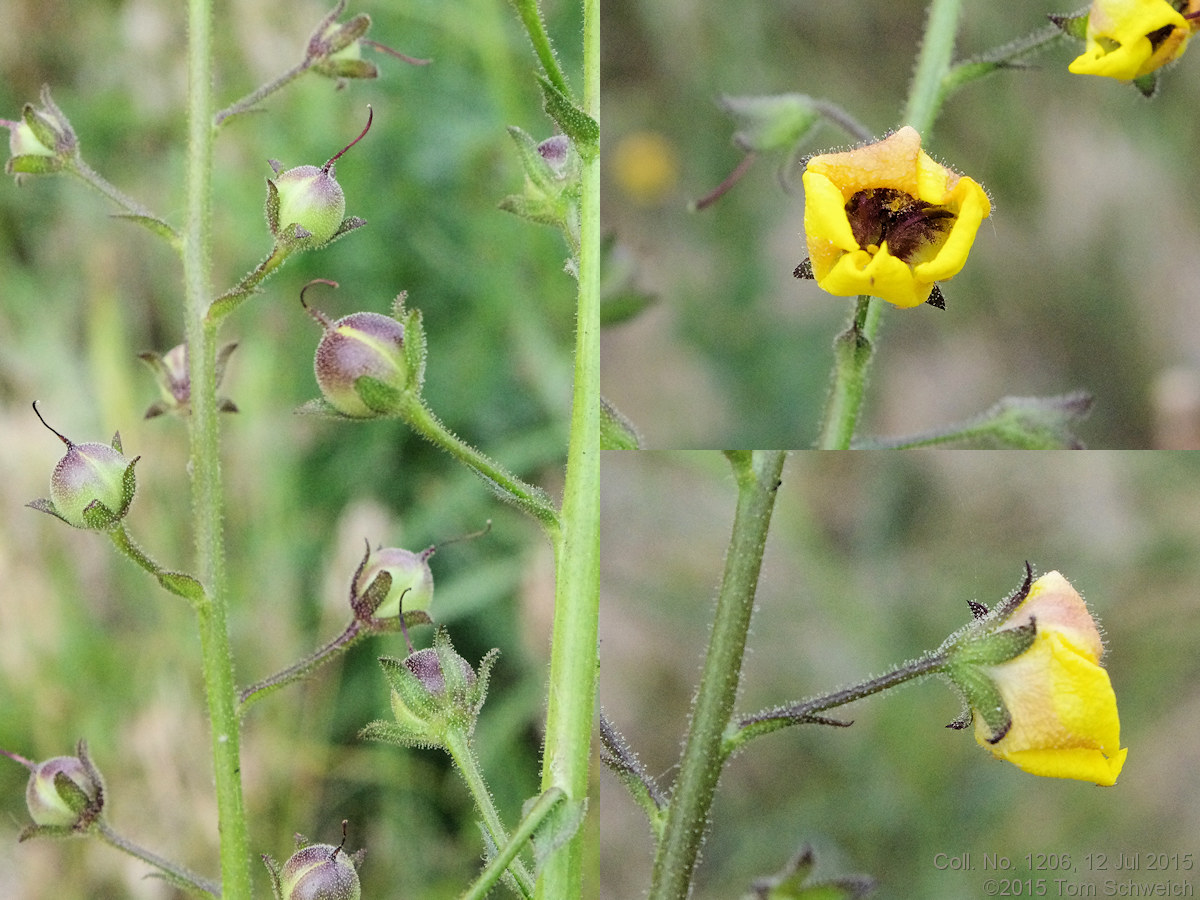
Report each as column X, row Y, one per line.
column 261, row 93
column 176, row 582
column 852, row 352
column 531, row 17
column 178, row 874
column 354, row 632
column 531, row 499
column 742, row 730
column 541, row 808
column 925, row 95
column 700, row 768
column 855, row 346
column 205, row 463
column 573, row 652
column 458, row 745
column 95, row 180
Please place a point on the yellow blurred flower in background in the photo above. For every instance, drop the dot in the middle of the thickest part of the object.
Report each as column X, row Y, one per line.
column 645, row 167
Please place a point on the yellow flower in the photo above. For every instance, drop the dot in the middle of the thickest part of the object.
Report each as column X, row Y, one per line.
column 1064, row 712
column 1127, row 39
column 888, row 221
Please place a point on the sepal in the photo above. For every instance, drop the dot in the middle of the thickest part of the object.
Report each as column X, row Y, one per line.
column 574, row 122
column 1071, row 24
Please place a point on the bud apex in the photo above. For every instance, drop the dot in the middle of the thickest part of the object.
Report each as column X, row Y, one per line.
column 92, row 486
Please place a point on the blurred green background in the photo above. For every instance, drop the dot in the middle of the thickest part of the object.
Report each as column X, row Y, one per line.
column 1085, row 277
column 89, row 647
column 870, row 562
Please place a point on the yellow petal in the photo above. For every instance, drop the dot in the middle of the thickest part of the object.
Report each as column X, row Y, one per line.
column 891, row 163
column 1082, row 765
column 1058, row 607
column 973, row 207
column 1118, row 45
column 1064, row 713
column 825, row 211
column 879, row 275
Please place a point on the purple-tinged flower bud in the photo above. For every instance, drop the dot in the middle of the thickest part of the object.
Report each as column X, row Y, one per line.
column 335, row 48
column 552, row 182
column 175, row 382
column 307, row 203
column 435, row 693
column 317, row 872
column 64, row 792
column 360, row 345
column 92, row 486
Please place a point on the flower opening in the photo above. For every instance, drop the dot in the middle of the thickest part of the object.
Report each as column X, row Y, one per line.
column 1127, row 39
column 887, row 220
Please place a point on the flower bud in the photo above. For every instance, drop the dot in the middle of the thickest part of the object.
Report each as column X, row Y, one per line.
column 434, row 691
column 317, row 872
column 1031, row 671
column 411, row 584
column 335, row 48
column 361, row 345
column 42, row 142
column 92, row 486
column 47, row 805
column 305, row 205
column 175, row 381
column 64, row 792
column 552, row 172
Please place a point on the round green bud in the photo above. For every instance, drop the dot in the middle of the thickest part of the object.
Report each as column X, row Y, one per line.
column 88, row 474
column 311, row 198
column 412, row 581
column 319, row 872
column 360, row 344
column 46, row 805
